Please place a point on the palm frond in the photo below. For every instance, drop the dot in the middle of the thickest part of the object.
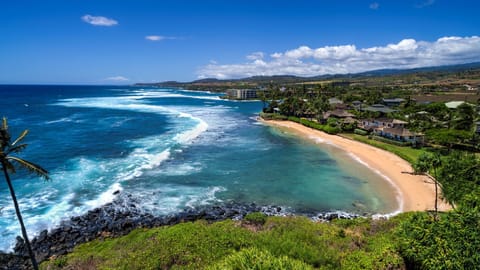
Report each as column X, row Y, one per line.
column 24, row 133
column 32, row 167
column 17, row 149
column 9, row 166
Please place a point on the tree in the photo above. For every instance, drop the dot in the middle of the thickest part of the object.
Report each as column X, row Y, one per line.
column 9, row 163
column 427, row 163
column 465, row 117
column 452, row 242
column 460, row 176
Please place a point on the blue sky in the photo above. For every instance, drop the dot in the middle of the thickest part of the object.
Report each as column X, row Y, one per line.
column 123, row 42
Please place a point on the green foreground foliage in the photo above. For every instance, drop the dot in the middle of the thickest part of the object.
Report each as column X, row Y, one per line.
column 280, row 243
column 414, row 240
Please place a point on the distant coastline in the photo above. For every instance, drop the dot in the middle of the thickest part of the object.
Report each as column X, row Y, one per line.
column 416, row 193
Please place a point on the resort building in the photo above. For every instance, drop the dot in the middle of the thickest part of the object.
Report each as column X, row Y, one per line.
column 242, row 93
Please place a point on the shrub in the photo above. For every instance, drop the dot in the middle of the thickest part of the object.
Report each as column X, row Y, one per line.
column 360, row 132
column 256, row 218
column 255, row 258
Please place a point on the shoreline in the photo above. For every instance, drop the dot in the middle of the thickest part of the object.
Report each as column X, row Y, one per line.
column 416, row 192
column 125, row 214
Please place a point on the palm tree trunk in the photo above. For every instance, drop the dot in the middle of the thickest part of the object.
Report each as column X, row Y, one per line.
column 20, row 219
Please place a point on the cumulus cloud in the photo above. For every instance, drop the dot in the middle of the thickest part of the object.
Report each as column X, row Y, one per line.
column 117, row 79
column 374, row 6
column 341, row 59
column 99, row 20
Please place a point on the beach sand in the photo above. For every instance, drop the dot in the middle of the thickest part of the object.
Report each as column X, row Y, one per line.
column 417, row 192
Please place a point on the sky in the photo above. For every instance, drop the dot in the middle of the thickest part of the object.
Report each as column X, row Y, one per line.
column 130, row 41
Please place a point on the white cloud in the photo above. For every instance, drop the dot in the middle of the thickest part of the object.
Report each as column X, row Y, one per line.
column 306, row 61
column 155, row 38
column 99, row 20
column 374, row 6
column 117, row 79
column 158, row 38
column 255, row 56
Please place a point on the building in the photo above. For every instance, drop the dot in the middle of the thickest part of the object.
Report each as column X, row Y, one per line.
column 393, row 129
column 371, row 124
column 357, row 104
column 393, row 102
column 242, row 93
column 454, row 104
column 340, row 114
column 378, row 108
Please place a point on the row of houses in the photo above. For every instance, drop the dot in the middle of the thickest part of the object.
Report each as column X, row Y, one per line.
column 393, row 129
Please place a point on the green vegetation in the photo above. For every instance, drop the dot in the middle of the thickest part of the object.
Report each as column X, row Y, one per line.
column 330, row 129
column 280, row 243
column 408, row 153
column 256, row 218
column 9, row 164
column 419, row 240
column 450, row 242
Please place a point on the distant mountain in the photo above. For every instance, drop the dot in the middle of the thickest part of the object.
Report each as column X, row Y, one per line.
column 286, row 79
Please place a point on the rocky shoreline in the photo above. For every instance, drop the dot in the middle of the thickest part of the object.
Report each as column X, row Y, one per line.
column 122, row 216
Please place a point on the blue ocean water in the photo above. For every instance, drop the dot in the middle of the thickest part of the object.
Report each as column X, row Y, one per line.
column 171, row 149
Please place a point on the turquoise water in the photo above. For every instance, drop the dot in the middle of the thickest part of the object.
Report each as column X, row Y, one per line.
column 171, row 149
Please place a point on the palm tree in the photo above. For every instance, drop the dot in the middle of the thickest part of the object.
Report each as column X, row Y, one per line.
column 8, row 163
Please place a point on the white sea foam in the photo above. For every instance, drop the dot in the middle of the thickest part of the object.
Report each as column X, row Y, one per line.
column 317, row 139
column 142, row 161
column 204, row 198
column 398, row 195
column 178, row 170
column 105, row 197
column 189, row 135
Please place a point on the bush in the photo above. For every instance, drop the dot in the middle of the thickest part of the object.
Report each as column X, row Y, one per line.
column 386, row 140
column 360, row 132
column 254, row 258
column 273, row 116
column 256, row 218
column 325, row 128
column 452, row 242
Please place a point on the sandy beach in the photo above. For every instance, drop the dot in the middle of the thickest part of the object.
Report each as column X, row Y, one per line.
column 417, row 192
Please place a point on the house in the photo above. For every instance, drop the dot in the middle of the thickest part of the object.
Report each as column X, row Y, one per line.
column 454, row 104
column 334, row 101
column 357, row 105
column 401, row 134
column 393, row 129
column 242, row 93
column 371, row 124
column 341, row 114
column 393, row 102
column 378, row 108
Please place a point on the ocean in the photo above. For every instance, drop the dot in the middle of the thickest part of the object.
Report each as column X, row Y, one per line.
column 171, row 149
